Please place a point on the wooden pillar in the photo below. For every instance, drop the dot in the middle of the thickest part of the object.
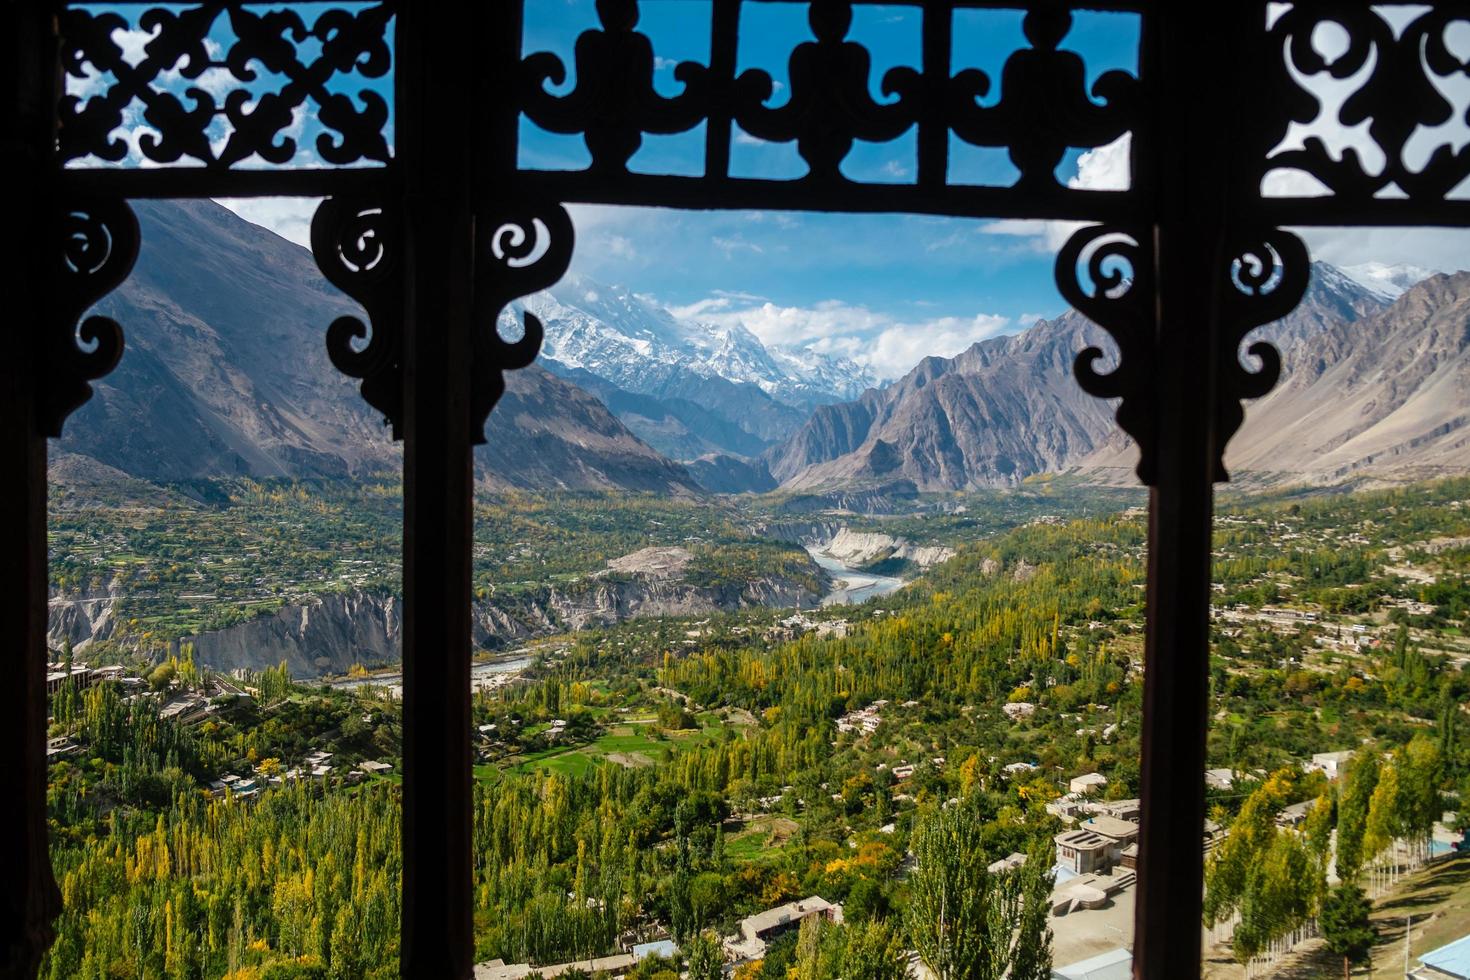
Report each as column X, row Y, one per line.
column 434, row 151
column 29, row 900
column 1184, row 47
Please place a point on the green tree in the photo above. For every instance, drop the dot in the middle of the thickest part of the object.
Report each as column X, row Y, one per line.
column 970, row 924
column 873, row 952
column 1345, row 926
column 706, row 959
column 1352, row 812
column 1229, row 869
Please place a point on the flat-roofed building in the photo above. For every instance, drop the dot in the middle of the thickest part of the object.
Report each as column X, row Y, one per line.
column 1331, row 763
column 758, row 930
column 1128, row 810
column 1083, row 851
column 1121, row 832
column 1091, row 782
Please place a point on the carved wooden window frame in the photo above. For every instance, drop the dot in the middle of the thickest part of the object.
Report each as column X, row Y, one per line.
column 436, row 234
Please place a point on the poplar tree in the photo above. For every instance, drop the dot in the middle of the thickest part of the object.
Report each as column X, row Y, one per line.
column 1352, row 812
column 970, row 924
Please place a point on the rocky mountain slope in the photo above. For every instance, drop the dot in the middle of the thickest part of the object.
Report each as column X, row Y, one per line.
column 226, row 373
column 1388, row 394
column 687, row 388
column 1008, row 407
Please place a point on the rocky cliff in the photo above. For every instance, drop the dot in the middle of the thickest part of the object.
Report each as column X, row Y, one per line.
column 329, row 634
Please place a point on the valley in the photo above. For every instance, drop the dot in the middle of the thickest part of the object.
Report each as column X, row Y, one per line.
column 631, row 395
column 757, row 634
column 673, row 773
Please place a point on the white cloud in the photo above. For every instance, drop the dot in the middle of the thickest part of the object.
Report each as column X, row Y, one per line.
column 743, row 297
column 620, row 246
column 886, row 344
column 735, row 243
column 1432, row 249
column 289, row 217
column 1106, row 168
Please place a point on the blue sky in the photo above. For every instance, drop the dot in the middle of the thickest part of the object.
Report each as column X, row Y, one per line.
column 883, row 289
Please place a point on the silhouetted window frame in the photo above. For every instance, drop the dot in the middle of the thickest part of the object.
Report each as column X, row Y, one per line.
column 437, row 233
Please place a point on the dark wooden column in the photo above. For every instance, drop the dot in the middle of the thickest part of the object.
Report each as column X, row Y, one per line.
column 28, row 896
column 434, row 149
column 1188, row 173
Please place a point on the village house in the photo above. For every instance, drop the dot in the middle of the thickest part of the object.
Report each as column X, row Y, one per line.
column 865, row 720
column 1017, row 710
column 1083, row 852
column 60, row 748
column 1067, row 807
column 758, row 930
column 1330, row 763
column 1293, row 815
column 1092, row 782
column 1010, row 862
column 56, row 675
column 1097, row 845
column 1126, row 810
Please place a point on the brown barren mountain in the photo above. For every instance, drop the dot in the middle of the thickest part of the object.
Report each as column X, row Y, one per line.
column 226, row 373
column 1368, row 388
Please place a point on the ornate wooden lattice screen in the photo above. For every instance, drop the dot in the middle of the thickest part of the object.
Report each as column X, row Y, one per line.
column 431, row 223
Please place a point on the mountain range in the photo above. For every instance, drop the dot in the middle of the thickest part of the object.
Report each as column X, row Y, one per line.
column 226, row 373
column 1008, row 407
column 685, row 387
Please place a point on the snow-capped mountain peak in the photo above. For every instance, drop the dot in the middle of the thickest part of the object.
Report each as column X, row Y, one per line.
column 1389, row 281
column 616, row 334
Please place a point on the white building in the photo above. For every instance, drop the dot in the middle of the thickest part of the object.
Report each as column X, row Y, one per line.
column 1017, row 710
column 1331, row 763
column 1087, row 783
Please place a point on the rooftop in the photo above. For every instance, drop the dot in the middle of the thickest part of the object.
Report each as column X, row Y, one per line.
column 1115, row 964
column 1083, row 840
column 1446, row 962
column 1111, row 827
column 782, row 914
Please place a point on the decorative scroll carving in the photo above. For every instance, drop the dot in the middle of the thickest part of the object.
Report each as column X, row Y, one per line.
column 96, row 246
column 829, row 106
column 1120, row 301
column 1398, row 98
column 1044, row 107
column 358, row 245
column 614, row 102
column 187, row 125
column 524, row 249
column 1268, row 275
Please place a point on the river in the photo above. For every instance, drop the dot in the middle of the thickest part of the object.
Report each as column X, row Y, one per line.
column 852, row 586
column 483, row 676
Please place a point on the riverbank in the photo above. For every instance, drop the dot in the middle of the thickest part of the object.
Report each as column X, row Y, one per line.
column 486, row 676
column 849, row 585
